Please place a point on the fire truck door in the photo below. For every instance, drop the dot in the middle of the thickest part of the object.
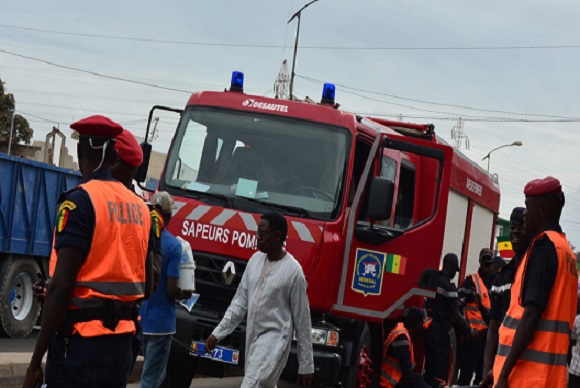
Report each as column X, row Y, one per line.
column 368, row 256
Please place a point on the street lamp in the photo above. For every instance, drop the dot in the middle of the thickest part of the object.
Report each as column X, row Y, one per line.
column 488, row 156
column 296, row 15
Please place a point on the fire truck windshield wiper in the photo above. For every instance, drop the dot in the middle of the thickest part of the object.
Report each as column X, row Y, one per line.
column 199, row 195
column 289, row 210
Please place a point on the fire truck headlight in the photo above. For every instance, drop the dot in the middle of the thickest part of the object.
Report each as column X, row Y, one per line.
column 324, row 337
column 237, row 84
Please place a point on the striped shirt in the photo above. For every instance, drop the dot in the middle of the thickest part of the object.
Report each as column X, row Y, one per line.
column 273, row 296
column 575, row 363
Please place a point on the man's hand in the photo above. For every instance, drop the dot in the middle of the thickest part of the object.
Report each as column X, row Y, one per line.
column 33, row 377
column 305, row 380
column 487, row 381
column 186, row 294
column 210, row 343
column 39, row 289
column 475, row 335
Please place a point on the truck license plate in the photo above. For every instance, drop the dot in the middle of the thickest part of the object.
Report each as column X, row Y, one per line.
column 229, row 356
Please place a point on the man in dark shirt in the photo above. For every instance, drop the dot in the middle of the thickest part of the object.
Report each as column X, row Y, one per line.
column 445, row 313
column 500, row 292
column 470, row 360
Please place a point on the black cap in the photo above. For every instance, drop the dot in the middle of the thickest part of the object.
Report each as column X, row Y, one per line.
column 486, row 255
column 517, row 214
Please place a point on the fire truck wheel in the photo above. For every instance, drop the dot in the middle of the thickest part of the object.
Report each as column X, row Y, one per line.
column 360, row 374
column 18, row 306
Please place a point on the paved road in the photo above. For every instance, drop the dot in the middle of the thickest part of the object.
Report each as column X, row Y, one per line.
column 20, row 350
column 229, row 382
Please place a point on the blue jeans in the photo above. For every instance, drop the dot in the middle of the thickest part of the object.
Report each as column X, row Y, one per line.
column 156, row 351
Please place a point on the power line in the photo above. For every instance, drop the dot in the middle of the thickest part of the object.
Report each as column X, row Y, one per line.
column 95, row 73
column 435, row 103
column 273, row 46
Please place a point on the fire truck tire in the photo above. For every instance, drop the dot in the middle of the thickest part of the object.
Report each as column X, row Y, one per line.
column 19, row 308
column 359, row 375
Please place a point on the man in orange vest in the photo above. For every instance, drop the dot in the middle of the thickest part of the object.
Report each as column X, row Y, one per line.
column 500, row 292
column 477, row 304
column 101, row 241
column 398, row 357
column 535, row 333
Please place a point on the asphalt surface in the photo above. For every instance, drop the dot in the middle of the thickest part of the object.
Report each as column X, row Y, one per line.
column 15, row 355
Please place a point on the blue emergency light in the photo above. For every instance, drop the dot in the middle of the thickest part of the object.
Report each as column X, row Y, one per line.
column 328, row 92
column 237, row 84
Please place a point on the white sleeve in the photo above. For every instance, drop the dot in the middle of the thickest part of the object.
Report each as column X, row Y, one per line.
column 236, row 312
column 574, row 335
column 302, row 325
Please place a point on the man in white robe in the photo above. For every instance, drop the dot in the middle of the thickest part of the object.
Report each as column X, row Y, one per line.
column 272, row 294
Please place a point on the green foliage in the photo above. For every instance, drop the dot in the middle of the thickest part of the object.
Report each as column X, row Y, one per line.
column 22, row 130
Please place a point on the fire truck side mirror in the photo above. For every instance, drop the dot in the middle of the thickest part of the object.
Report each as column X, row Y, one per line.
column 380, row 199
column 141, row 173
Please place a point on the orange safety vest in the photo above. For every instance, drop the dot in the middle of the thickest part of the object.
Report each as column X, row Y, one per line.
column 543, row 363
column 391, row 369
column 115, row 266
column 472, row 313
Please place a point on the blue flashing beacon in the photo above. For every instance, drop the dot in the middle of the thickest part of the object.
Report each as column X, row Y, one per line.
column 237, row 84
column 328, row 92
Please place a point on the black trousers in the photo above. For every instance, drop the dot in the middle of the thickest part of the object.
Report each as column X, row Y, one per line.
column 89, row 362
column 437, row 354
column 573, row 381
column 470, row 361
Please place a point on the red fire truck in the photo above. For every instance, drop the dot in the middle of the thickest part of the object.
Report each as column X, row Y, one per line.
column 370, row 203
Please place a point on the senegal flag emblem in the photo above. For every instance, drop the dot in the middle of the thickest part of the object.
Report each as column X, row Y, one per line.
column 61, row 219
column 504, row 246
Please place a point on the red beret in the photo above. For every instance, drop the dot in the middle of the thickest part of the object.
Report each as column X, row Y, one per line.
column 548, row 185
column 129, row 150
column 97, row 126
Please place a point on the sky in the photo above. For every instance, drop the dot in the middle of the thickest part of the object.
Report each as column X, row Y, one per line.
column 508, row 69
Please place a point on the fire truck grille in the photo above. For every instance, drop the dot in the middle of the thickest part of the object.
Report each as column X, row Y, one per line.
column 215, row 294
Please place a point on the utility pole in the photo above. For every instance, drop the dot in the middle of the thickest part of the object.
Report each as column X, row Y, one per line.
column 458, row 135
column 296, row 15
column 11, row 129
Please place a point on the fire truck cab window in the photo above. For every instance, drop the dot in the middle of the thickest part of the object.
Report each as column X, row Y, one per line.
column 405, row 196
column 253, row 157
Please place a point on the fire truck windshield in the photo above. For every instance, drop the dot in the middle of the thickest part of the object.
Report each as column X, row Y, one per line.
column 262, row 160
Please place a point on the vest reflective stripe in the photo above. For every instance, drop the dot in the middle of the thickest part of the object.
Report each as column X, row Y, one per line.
column 115, row 266
column 543, row 363
column 543, row 325
column 472, row 313
column 400, row 343
column 449, row 294
column 115, row 288
column 500, row 289
column 537, row 356
column 391, row 369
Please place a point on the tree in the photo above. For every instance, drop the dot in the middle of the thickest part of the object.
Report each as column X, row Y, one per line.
column 22, row 132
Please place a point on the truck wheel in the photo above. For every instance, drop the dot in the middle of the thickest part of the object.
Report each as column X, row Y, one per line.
column 18, row 306
column 360, row 375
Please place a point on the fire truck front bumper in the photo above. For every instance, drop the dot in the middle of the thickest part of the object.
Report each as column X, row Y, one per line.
column 327, row 365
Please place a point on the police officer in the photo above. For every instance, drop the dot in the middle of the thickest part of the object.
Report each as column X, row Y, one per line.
column 101, row 241
column 535, row 333
column 445, row 311
column 475, row 291
column 500, row 292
